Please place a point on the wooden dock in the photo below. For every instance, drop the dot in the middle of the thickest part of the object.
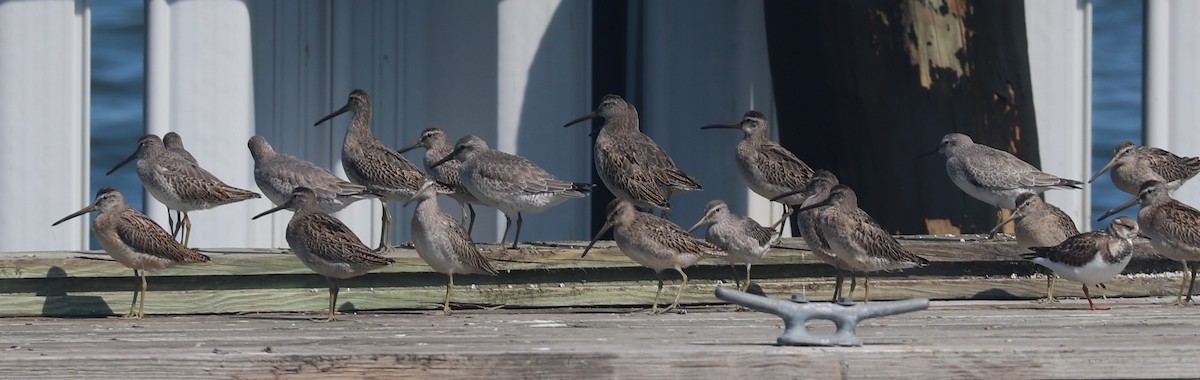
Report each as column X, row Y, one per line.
column 552, row 314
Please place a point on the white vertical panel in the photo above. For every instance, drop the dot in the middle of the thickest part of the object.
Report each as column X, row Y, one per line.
column 543, row 82
column 44, row 96
column 200, row 83
column 1060, row 52
column 1172, row 119
column 705, row 63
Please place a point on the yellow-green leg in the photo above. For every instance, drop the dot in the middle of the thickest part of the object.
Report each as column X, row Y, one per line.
column 136, row 293
column 747, row 285
column 654, row 306
column 333, row 294
column 787, row 211
column 675, row 303
column 449, row 291
column 837, row 285
column 1051, row 281
column 187, row 229
column 866, row 287
column 384, row 234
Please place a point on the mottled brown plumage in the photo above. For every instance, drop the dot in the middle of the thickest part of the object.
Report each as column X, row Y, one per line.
column 324, row 244
column 629, row 163
column 180, row 184
column 442, row 242
column 742, row 239
column 767, row 167
column 277, row 174
column 134, row 240
column 1039, row 224
column 1134, row 165
column 1173, row 228
column 369, row 162
column 436, row 147
column 655, row 243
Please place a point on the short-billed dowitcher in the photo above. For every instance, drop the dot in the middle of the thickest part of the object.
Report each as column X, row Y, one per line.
column 436, row 148
column 178, row 183
column 324, row 244
column 994, row 176
column 1039, row 224
column 174, row 144
column 629, row 163
column 743, row 240
column 277, row 174
column 767, row 167
column 655, row 243
column 857, row 240
column 1090, row 258
column 1133, row 165
column 807, row 223
column 442, row 242
column 1173, row 229
column 135, row 241
column 509, row 183
column 371, row 163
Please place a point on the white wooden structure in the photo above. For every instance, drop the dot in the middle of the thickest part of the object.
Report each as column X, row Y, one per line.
column 512, row 72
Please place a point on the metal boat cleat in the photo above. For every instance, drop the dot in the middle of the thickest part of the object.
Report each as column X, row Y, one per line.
column 798, row 311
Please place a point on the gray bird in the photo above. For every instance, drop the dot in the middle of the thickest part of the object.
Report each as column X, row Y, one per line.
column 442, row 242
column 743, row 240
column 277, row 174
column 436, row 148
column 994, row 176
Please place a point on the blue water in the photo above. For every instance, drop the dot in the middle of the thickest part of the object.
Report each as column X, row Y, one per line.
column 118, row 85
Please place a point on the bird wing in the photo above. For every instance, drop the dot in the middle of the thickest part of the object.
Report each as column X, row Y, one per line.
column 289, row 172
column 994, row 169
column 145, row 236
column 857, row 232
column 330, row 239
column 1076, row 251
column 782, row 167
column 386, row 169
column 762, row 235
column 1170, row 166
column 630, row 174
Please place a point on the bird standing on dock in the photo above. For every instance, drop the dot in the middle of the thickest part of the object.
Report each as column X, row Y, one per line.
column 442, row 242
column 369, row 162
column 629, row 163
column 1039, row 224
column 509, row 183
column 857, row 240
column 436, row 148
column 767, row 167
column 743, row 240
column 180, row 184
column 994, row 176
column 808, row 225
column 1173, row 229
column 135, row 241
column 1090, row 258
column 1134, row 165
column 655, row 243
column 277, row 174
column 174, row 144
column 324, row 244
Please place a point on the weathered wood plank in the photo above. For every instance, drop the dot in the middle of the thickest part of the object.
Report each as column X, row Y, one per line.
column 1139, row 338
column 538, row 275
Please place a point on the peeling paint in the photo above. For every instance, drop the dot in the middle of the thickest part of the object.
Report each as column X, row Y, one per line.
column 937, row 38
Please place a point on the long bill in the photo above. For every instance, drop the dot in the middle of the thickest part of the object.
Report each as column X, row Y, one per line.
column 589, row 116
column 1111, row 162
column 787, row 194
column 820, row 204
column 1014, row 216
column 724, row 126
column 283, row 206
column 447, row 158
column 597, row 237
column 122, row 163
column 1118, row 209
column 408, row 148
column 344, row 109
column 697, row 225
column 81, row 211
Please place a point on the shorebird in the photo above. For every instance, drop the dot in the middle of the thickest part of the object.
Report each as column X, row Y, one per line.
column 742, row 239
column 1133, row 165
column 857, row 240
column 994, row 176
column 135, row 241
column 807, row 223
column 629, row 163
column 371, row 163
column 1173, row 229
column 180, row 184
column 655, row 243
column 324, row 244
column 174, row 144
column 1039, row 224
column 767, row 167
column 1090, row 258
column 277, row 174
column 436, row 148
column 509, row 183
column 442, row 242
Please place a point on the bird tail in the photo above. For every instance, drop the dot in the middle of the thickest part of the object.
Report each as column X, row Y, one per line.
column 1037, row 252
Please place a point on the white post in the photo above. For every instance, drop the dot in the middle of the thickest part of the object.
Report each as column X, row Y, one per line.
column 44, row 99
column 1172, row 84
column 199, row 83
column 1060, row 69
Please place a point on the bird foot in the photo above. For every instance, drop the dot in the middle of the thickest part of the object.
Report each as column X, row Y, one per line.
column 1045, row 301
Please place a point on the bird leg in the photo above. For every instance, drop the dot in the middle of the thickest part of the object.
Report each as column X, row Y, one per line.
column 1051, row 280
column 333, row 294
column 136, row 292
column 517, row 236
column 187, row 229
column 507, row 224
column 446, row 302
column 866, row 287
column 736, row 278
column 1192, row 284
column 837, row 287
column 675, row 303
column 1089, row 298
column 747, row 277
column 384, row 241
column 853, row 281
column 171, row 216
column 654, row 306
column 787, row 212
